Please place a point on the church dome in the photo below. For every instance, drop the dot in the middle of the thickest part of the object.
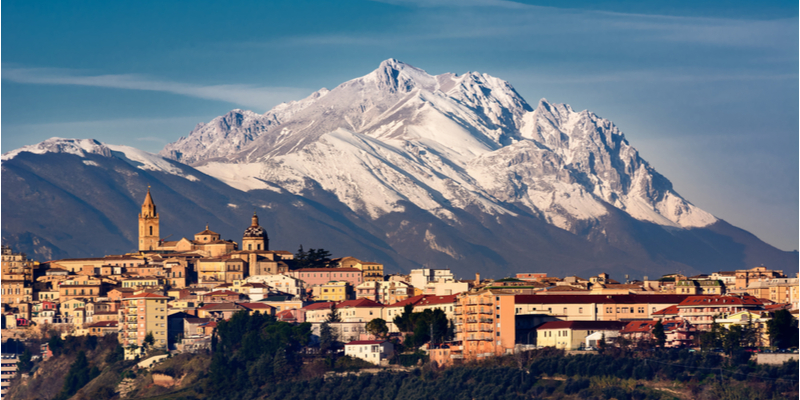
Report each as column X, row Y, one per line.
column 255, row 230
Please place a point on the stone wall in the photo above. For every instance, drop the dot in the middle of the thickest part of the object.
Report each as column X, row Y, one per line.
column 775, row 358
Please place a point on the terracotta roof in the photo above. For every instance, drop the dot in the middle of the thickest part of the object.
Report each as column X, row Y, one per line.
column 366, row 342
column 286, row 315
column 146, row 296
column 671, row 310
column 583, row 325
column 411, row 300
column 694, row 301
column 104, row 324
column 359, row 303
column 221, row 293
column 600, row 298
column 647, row 326
column 433, row 299
column 318, row 306
column 328, row 270
column 254, row 306
column 565, row 288
column 224, row 306
column 778, row 306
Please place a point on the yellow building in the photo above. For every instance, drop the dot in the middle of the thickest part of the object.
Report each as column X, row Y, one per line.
column 334, row 291
column 141, row 314
column 758, row 319
column 142, row 281
column 218, row 270
column 700, row 287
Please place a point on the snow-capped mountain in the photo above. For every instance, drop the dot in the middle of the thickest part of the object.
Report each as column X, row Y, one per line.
column 398, row 166
column 438, row 142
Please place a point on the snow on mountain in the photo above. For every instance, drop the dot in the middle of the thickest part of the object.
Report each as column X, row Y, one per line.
column 439, row 142
column 82, row 147
column 78, row 147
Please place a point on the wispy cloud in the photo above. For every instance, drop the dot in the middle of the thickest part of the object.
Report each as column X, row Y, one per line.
column 466, row 19
column 258, row 97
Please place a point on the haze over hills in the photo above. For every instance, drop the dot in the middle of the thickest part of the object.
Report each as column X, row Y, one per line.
column 397, row 166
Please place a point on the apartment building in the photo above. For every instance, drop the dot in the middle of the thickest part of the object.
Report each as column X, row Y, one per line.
column 702, row 310
column 485, row 324
column 139, row 315
column 588, row 307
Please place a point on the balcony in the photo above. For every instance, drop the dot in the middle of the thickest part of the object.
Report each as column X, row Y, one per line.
column 486, row 311
column 471, row 312
column 472, row 321
column 486, row 320
column 458, row 311
column 486, row 329
column 471, row 328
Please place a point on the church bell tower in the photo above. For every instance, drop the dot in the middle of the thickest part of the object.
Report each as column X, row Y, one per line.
column 148, row 224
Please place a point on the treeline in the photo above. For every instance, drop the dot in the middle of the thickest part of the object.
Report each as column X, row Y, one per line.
column 252, row 351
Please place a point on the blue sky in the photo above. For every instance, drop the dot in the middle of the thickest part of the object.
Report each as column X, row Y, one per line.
column 707, row 91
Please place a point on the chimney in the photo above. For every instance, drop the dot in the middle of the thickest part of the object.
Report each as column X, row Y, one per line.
column 477, row 279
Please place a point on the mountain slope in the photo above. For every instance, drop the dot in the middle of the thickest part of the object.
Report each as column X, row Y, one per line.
column 401, row 167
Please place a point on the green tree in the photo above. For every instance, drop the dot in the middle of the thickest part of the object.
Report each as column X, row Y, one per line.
column 301, row 258
column 327, row 337
column 333, row 315
column 659, row 334
column 279, row 364
column 601, row 344
column 148, row 340
column 732, row 338
column 782, row 330
column 377, row 327
column 404, row 322
column 24, row 365
column 78, row 376
column 712, row 338
column 319, row 258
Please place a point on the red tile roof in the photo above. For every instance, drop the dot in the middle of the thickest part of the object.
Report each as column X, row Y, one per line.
column 600, row 298
column 104, row 324
column 318, row 306
column 221, row 293
column 706, row 301
column 671, row 310
column 328, row 270
column 583, row 325
column 359, row 303
column 366, row 342
column 146, row 296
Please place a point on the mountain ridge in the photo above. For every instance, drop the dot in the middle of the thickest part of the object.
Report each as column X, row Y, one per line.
column 400, row 167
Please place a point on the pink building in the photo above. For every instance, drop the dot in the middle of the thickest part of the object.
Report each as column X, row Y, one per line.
column 321, row 276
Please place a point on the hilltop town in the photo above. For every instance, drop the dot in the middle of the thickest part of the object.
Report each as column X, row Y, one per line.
column 171, row 296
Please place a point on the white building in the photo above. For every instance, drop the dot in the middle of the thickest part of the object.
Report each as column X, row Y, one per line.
column 282, row 283
column 374, row 351
column 420, row 277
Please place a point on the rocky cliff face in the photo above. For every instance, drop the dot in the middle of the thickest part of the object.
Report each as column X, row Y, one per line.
column 439, row 142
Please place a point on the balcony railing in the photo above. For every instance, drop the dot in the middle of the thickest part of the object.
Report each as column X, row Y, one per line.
column 486, row 311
